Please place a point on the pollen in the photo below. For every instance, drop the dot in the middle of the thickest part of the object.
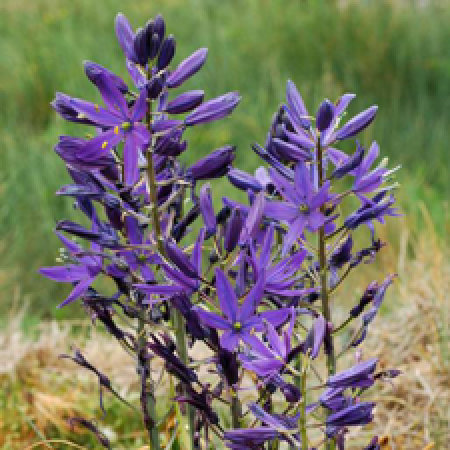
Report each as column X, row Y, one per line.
column 116, row 129
column 104, row 144
column 97, row 108
column 237, row 326
column 304, row 208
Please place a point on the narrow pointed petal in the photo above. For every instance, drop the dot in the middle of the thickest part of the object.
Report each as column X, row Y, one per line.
column 227, row 298
column 295, row 231
column 111, row 95
column 295, row 104
column 140, row 107
column 281, row 211
column 229, row 340
column 196, row 257
column 253, row 298
column 65, row 274
column 130, row 160
column 276, row 317
column 253, row 219
column 77, row 291
column 212, row 320
column 274, row 341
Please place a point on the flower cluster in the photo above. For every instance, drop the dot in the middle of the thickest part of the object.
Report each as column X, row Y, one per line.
column 255, row 284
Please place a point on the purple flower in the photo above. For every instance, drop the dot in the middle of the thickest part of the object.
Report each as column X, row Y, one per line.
column 233, row 229
column 376, row 208
column 120, row 123
column 240, row 322
column 184, row 278
column 253, row 219
column 82, row 272
column 352, row 163
column 315, row 337
column 280, row 278
column 360, row 375
column 265, row 361
column 302, row 208
column 358, row 414
column 213, row 109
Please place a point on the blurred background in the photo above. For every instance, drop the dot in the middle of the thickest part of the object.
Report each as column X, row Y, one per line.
column 393, row 53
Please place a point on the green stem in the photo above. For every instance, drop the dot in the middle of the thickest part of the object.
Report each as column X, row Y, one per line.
column 329, row 347
column 178, row 321
column 302, row 420
column 235, row 411
column 149, row 396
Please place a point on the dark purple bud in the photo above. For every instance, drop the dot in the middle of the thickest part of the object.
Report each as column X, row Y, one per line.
column 140, row 45
column 184, row 305
column 214, row 109
column 207, row 209
column 228, row 366
column 105, row 238
column 187, row 68
column 180, row 259
column 180, row 228
column 374, row 210
column 366, row 298
column 185, row 102
column 360, row 375
column 357, row 123
column 154, row 87
column 343, row 254
column 243, row 180
column 159, row 26
column 377, row 300
column 154, row 44
column 324, row 115
column 214, row 165
column 166, row 53
column 353, row 162
column 95, row 71
column 291, row 152
column 233, row 230
column 358, row 414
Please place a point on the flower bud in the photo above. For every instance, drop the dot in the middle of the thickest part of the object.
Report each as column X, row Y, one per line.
column 324, row 115
column 166, row 53
column 185, row 102
column 187, row 68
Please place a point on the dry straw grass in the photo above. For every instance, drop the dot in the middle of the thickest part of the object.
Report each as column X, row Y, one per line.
column 40, row 390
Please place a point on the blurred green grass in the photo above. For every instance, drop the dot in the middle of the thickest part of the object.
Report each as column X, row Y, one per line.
column 394, row 56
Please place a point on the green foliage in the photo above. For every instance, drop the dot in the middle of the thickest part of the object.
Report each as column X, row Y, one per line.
column 394, row 56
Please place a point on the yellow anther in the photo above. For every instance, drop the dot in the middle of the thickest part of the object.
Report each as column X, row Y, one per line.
column 116, row 129
column 97, row 108
column 104, row 144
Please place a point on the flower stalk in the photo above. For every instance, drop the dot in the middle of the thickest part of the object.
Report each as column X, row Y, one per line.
column 328, row 341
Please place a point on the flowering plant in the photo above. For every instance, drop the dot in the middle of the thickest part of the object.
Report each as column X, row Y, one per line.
column 254, row 285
